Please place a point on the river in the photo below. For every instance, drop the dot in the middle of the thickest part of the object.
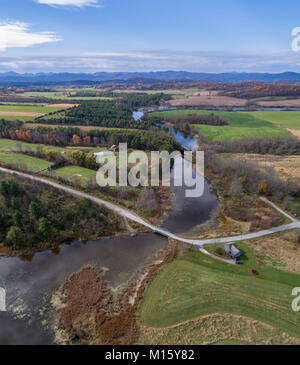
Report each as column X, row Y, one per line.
column 30, row 284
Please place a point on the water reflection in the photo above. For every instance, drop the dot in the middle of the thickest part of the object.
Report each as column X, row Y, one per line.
column 30, row 285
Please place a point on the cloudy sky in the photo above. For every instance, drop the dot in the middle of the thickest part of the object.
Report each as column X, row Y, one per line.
column 148, row 35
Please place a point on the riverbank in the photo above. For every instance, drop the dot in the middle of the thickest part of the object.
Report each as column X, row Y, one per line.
column 90, row 313
column 30, row 317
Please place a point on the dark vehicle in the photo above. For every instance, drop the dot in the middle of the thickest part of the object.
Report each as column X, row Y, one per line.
column 254, row 272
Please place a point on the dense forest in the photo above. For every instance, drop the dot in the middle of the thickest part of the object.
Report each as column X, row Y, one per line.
column 106, row 113
column 206, row 119
column 137, row 100
column 36, row 216
column 138, row 139
column 96, row 113
column 258, row 90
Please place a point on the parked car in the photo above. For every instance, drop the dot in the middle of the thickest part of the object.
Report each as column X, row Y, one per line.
column 254, row 272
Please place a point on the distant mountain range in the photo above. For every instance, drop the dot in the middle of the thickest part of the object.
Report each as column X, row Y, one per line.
column 100, row 77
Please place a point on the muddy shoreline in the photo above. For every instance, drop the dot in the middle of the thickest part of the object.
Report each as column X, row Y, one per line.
column 88, row 312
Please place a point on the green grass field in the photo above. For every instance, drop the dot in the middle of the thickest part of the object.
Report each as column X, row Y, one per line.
column 11, row 153
column 285, row 119
column 25, row 162
column 29, row 109
column 71, row 173
column 39, row 108
column 21, row 103
column 8, row 145
column 194, row 285
column 15, row 117
column 242, row 125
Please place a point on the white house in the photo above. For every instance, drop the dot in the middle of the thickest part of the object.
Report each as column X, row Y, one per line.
column 103, row 153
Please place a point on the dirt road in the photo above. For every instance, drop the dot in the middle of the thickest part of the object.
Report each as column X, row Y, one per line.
column 134, row 217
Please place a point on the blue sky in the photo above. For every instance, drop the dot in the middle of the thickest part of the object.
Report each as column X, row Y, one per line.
column 148, row 35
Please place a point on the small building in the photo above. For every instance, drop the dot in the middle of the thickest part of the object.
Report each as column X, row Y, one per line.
column 103, row 153
column 232, row 250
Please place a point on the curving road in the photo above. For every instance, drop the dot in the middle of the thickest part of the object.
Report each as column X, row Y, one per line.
column 134, row 217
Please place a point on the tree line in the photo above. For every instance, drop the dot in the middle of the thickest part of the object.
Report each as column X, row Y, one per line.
column 276, row 146
column 65, row 136
column 192, row 118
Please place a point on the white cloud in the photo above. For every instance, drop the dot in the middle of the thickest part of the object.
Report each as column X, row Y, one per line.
column 17, row 34
column 154, row 61
column 78, row 3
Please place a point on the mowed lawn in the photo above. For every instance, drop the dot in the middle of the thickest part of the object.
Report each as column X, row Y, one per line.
column 241, row 125
column 194, row 285
column 285, row 119
column 25, row 162
column 73, row 173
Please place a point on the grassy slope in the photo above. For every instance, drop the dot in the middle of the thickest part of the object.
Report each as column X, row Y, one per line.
column 69, row 173
column 216, row 329
column 242, row 125
column 285, row 119
column 32, row 163
column 194, row 285
column 35, row 164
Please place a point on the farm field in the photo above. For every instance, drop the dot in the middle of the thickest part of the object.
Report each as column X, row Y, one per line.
column 242, row 125
column 285, row 102
column 17, row 117
column 29, row 163
column 284, row 119
column 13, row 103
column 176, row 93
column 280, row 250
column 288, row 167
column 208, row 100
column 26, row 113
column 194, row 286
column 64, row 95
column 40, row 109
